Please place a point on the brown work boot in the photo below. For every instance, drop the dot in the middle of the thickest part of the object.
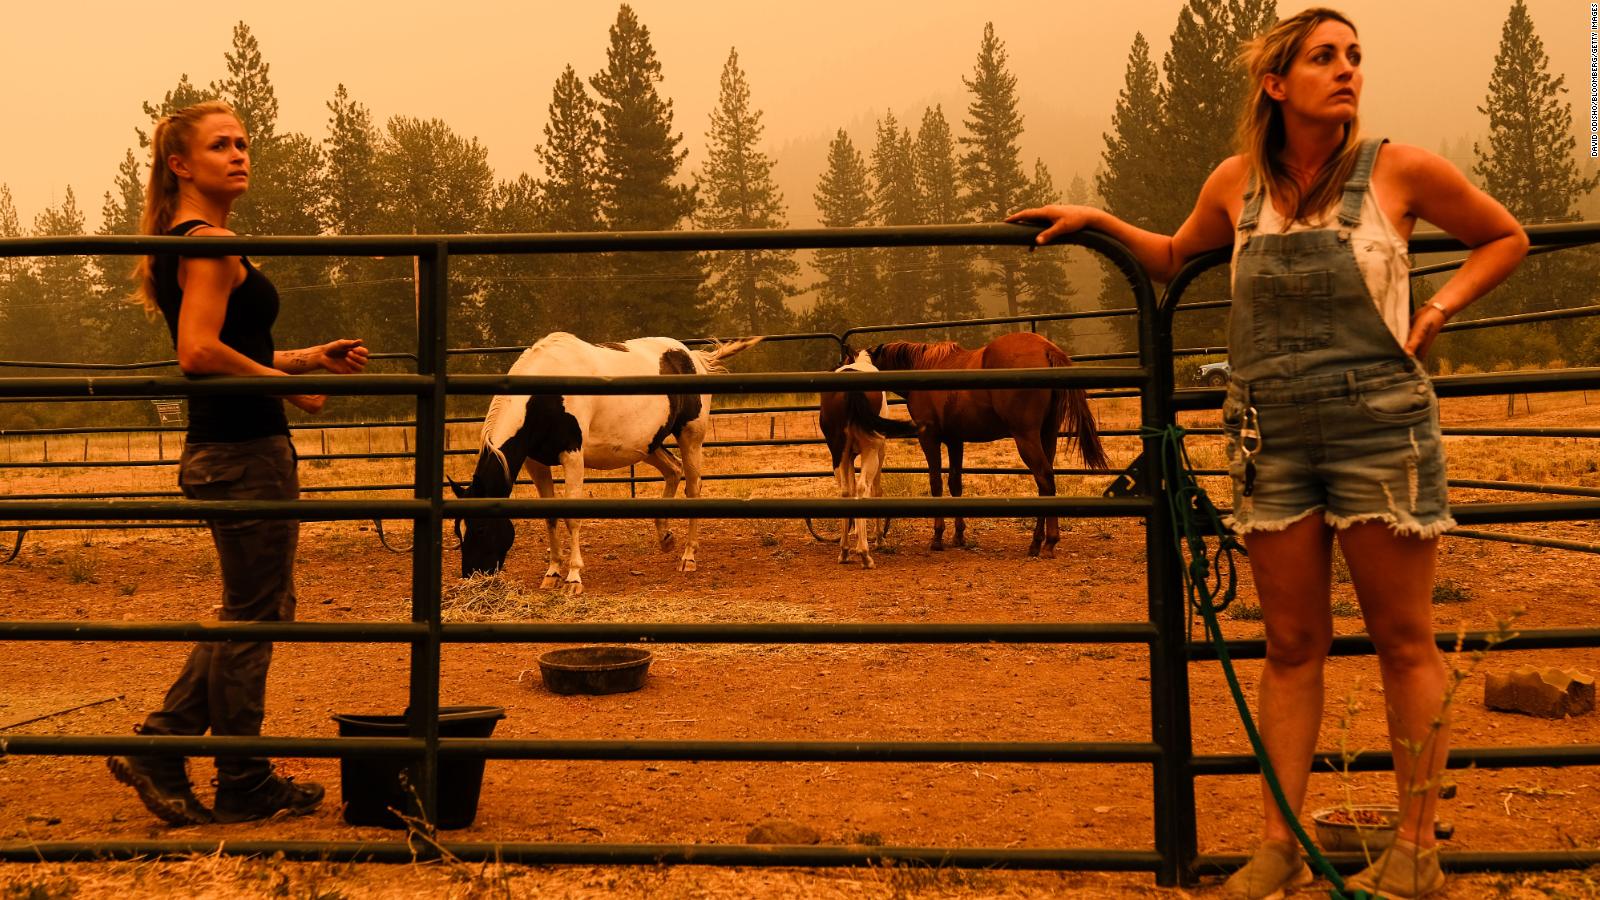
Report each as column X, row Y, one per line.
column 266, row 798
column 1404, row 871
column 162, row 783
column 1274, row 871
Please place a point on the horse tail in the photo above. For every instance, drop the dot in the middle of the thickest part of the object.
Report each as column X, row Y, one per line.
column 859, row 411
column 721, row 350
column 1071, row 406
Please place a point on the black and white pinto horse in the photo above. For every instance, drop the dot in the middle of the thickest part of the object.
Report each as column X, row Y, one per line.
column 855, row 425
column 582, row 431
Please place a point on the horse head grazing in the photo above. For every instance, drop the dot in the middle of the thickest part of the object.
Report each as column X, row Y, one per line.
column 485, row 542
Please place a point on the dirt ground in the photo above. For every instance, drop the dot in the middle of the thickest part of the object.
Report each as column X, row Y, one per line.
column 772, row 571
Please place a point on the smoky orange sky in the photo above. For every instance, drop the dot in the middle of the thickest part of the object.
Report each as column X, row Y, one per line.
column 75, row 73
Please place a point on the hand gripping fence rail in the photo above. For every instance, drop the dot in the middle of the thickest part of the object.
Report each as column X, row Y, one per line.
column 1173, row 855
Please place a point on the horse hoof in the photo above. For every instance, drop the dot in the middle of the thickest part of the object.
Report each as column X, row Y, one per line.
column 574, row 588
column 549, row 582
column 687, row 566
column 936, row 546
column 867, row 563
column 844, row 558
column 667, row 540
column 1049, row 553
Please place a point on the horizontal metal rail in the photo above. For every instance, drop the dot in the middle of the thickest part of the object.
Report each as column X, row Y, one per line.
column 1057, row 752
column 1361, row 644
column 1383, row 760
column 613, row 632
column 1549, row 315
column 641, row 508
column 1450, row 861
column 1525, row 540
column 749, row 855
column 126, row 386
column 699, row 508
column 588, row 242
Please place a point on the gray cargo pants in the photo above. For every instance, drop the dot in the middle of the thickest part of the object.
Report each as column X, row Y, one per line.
column 223, row 684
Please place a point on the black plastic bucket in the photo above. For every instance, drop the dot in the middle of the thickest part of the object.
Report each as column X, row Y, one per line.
column 371, row 788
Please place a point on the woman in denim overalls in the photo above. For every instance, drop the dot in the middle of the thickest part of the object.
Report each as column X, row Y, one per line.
column 1333, row 427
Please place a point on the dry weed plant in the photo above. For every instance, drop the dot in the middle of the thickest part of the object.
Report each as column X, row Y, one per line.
column 1456, row 676
column 82, row 566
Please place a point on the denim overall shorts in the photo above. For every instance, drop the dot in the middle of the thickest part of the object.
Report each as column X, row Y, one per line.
column 1325, row 411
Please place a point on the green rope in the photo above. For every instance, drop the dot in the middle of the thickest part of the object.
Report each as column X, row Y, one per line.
column 1211, row 581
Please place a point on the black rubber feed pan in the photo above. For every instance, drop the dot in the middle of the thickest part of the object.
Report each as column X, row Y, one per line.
column 595, row 670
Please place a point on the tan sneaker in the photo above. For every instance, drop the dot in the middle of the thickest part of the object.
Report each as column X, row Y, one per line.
column 1274, row 871
column 1403, row 872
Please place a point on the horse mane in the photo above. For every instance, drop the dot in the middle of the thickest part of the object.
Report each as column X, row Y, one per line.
column 497, row 407
column 914, row 355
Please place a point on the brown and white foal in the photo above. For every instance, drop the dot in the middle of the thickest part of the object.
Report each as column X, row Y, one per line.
column 855, row 424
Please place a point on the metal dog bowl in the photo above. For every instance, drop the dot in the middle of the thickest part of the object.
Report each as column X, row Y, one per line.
column 1373, row 826
column 595, row 670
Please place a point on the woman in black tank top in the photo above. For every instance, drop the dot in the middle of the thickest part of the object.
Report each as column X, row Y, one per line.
column 220, row 310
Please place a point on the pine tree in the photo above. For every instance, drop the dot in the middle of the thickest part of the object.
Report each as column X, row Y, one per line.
column 13, row 272
column 120, row 212
column 1527, row 163
column 897, row 200
column 249, row 89
column 186, row 94
column 656, row 293
column 1045, row 288
column 1248, row 19
column 848, row 291
column 951, row 285
column 1198, row 105
column 1131, row 183
column 122, row 316
column 991, row 166
column 569, row 200
column 514, row 303
column 736, row 191
column 350, row 187
column 69, row 316
column 1078, row 191
column 570, row 154
column 1527, row 160
column 374, row 296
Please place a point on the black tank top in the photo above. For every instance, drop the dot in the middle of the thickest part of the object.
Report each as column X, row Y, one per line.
column 247, row 328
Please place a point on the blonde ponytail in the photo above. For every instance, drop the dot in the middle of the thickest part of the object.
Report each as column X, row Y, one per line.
column 171, row 138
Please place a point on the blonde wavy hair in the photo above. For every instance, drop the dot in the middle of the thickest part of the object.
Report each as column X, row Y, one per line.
column 1260, row 134
column 171, row 138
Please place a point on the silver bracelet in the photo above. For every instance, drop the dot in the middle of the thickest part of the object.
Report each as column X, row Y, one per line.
column 1440, row 307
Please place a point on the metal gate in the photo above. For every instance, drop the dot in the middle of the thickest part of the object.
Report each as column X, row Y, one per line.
column 1172, row 856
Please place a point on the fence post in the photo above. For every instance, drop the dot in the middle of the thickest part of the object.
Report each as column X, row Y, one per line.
column 427, row 548
column 1176, row 837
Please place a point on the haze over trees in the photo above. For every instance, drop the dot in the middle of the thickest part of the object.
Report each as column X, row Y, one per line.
column 1528, row 163
column 613, row 158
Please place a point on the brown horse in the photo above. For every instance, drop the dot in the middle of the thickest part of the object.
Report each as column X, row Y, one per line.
column 1032, row 417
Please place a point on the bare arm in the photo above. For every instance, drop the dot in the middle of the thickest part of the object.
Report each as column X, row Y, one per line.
column 344, row 356
column 1442, row 195
column 206, row 283
column 1207, row 227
